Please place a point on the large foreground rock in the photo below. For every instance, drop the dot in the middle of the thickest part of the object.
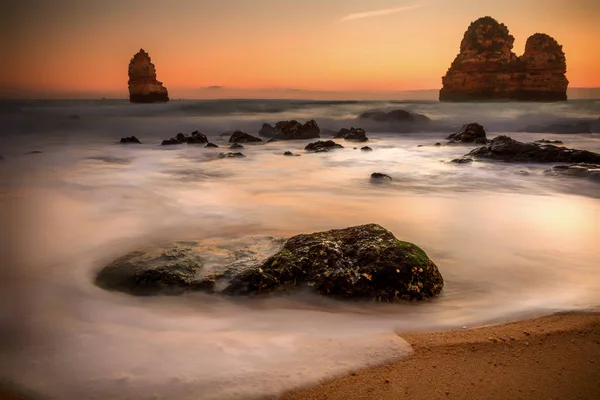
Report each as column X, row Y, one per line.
column 364, row 261
column 505, row 148
column 291, row 130
column 143, row 85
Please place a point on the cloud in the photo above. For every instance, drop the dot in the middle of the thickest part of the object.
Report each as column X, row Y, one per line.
column 378, row 13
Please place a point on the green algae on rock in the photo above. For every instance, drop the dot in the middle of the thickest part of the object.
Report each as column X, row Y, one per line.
column 364, row 261
column 173, row 271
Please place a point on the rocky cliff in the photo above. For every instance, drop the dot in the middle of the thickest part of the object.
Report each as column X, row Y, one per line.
column 487, row 69
column 143, row 86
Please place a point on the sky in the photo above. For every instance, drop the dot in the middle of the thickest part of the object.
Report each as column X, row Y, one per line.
column 269, row 48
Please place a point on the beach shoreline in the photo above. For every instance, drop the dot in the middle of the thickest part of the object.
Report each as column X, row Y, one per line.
column 551, row 357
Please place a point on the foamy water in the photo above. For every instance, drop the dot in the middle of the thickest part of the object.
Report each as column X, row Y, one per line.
column 509, row 245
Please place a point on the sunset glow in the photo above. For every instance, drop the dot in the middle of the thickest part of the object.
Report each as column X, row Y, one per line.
column 66, row 47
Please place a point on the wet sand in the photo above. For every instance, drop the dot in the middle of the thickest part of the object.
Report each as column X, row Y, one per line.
column 555, row 357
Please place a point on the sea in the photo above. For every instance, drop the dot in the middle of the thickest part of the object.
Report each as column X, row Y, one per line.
column 511, row 241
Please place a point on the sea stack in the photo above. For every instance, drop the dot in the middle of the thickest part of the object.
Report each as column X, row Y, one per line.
column 487, row 69
column 143, row 86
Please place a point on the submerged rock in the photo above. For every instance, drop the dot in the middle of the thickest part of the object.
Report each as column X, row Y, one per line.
column 364, row 261
column 549, row 141
column 438, row 144
column 564, row 128
column 141, row 273
column 143, row 85
column 130, row 139
column 471, row 133
column 236, row 146
column 231, row 155
column 291, row 130
column 507, row 149
column 393, row 116
column 352, row 134
column 462, row 161
column 583, row 170
column 241, row 137
column 366, row 148
column 170, row 142
column 290, row 154
column 322, row 146
column 211, row 145
column 379, row 177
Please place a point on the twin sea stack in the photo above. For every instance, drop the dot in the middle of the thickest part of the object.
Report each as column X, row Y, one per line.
column 487, row 69
column 143, row 86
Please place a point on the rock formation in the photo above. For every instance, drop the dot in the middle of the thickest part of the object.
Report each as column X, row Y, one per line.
column 143, row 86
column 487, row 69
column 291, row 130
column 504, row 148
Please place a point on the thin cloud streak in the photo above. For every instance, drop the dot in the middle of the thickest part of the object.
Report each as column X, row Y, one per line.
column 378, row 13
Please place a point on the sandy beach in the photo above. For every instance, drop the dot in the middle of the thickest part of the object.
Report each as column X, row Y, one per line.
column 555, row 357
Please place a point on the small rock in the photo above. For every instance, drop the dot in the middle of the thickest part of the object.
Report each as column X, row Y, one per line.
column 170, row 142
column 378, row 176
column 322, row 145
column 231, row 155
column 462, row 161
column 211, row 145
column 197, row 137
column 236, row 146
column 366, row 148
column 471, row 133
column 241, row 137
column 288, row 153
column 130, row 139
column 438, row 144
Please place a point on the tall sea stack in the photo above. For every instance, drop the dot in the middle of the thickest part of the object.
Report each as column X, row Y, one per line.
column 143, row 86
column 487, row 69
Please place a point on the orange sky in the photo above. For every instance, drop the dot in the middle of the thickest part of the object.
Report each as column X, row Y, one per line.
column 79, row 46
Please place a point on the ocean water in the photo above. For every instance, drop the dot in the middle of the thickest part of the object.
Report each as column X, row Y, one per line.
column 510, row 241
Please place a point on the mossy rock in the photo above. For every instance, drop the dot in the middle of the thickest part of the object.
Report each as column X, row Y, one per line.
column 173, row 271
column 364, row 261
